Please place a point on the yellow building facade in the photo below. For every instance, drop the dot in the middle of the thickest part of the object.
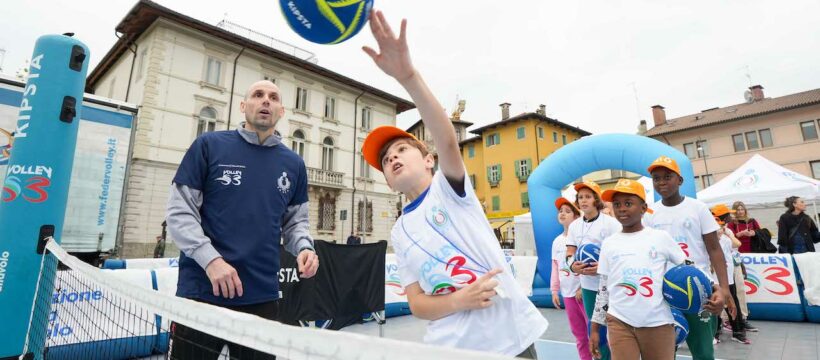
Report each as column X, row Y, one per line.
column 501, row 157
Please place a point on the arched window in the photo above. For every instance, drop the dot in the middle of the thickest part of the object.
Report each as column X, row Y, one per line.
column 327, row 154
column 207, row 120
column 298, row 143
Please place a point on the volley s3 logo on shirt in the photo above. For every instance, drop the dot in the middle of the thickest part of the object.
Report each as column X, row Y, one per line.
column 230, row 177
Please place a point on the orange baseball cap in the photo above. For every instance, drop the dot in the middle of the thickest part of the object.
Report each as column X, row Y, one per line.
column 665, row 162
column 625, row 186
column 561, row 201
column 378, row 137
column 720, row 210
column 589, row 184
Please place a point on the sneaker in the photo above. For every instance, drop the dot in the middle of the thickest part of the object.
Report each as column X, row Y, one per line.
column 715, row 341
column 749, row 327
column 727, row 326
column 741, row 338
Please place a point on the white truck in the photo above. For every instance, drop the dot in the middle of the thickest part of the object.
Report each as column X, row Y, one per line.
column 101, row 160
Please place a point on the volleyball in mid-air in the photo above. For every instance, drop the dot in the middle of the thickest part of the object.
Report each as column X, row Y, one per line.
column 588, row 253
column 326, row 21
column 686, row 288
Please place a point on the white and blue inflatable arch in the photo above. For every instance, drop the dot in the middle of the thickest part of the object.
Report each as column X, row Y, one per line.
column 598, row 152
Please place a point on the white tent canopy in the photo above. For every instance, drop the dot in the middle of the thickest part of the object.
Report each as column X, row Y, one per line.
column 758, row 182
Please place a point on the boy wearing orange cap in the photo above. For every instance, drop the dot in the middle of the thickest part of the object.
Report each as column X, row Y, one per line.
column 592, row 228
column 693, row 227
column 450, row 263
column 631, row 266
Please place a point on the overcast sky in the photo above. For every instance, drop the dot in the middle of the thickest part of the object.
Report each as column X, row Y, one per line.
column 579, row 58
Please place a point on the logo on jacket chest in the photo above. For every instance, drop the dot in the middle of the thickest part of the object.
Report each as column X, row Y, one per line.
column 283, row 183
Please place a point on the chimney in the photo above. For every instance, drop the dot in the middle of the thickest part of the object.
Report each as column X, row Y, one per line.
column 642, row 127
column 505, row 111
column 659, row 115
column 757, row 92
column 542, row 110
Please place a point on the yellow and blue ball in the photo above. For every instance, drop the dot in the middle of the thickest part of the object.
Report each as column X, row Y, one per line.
column 326, row 21
column 686, row 288
column 681, row 327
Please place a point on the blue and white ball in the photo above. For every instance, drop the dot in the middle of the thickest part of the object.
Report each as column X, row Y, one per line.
column 326, row 21
column 588, row 253
column 686, row 288
column 681, row 327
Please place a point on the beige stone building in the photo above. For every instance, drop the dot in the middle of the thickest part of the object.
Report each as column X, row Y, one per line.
column 782, row 129
column 188, row 77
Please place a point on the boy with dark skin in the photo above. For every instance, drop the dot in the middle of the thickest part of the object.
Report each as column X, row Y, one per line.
column 685, row 218
column 631, row 265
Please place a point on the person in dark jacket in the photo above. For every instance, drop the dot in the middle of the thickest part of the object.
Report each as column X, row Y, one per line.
column 796, row 232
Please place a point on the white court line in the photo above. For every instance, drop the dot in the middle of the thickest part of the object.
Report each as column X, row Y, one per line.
column 573, row 345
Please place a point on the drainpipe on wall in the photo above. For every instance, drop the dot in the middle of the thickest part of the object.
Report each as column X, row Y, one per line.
column 233, row 83
column 353, row 176
column 133, row 61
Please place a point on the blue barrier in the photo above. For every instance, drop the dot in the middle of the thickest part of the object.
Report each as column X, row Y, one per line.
column 592, row 153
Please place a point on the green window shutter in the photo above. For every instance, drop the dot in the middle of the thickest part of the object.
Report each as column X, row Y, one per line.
column 529, row 167
column 499, row 172
column 517, row 168
column 521, row 132
column 490, row 174
column 497, row 139
column 487, row 141
column 525, row 200
column 496, row 203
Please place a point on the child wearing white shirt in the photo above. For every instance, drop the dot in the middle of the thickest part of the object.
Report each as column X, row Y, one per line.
column 631, row 266
column 449, row 261
column 566, row 284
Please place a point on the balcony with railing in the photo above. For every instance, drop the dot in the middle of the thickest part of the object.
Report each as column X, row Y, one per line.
column 321, row 177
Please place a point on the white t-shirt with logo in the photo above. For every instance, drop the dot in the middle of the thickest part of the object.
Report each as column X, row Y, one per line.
column 634, row 264
column 726, row 247
column 443, row 242
column 568, row 281
column 687, row 222
column 582, row 232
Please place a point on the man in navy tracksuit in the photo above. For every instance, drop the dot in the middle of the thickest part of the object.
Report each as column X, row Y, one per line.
column 235, row 194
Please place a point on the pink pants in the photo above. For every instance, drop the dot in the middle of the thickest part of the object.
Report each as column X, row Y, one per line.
column 578, row 325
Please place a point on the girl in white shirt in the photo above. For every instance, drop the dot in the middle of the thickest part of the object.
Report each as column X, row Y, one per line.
column 566, row 284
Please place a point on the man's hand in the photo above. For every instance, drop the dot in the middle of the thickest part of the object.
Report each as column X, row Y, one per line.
column 307, row 263
column 556, row 301
column 716, row 302
column 224, row 279
column 477, row 295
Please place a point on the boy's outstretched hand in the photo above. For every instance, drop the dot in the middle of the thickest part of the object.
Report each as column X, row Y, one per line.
column 394, row 56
